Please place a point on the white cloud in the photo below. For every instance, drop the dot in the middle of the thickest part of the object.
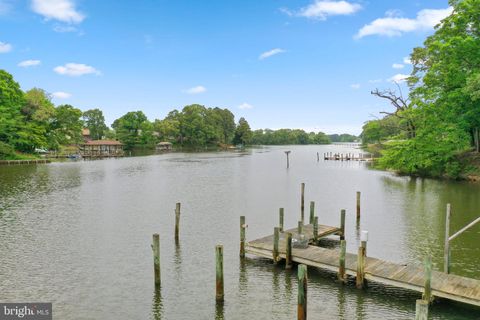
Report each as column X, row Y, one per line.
column 398, row 66
column 399, row 78
column 407, row 60
column 64, row 28
column 270, row 53
column 391, row 26
column 29, row 63
column 5, row 47
column 75, row 69
column 245, row 106
column 62, row 10
column 322, row 9
column 196, row 90
column 375, row 81
column 355, row 86
column 61, row 95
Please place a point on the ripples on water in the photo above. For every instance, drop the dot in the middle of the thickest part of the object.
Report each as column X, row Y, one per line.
column 78, row 234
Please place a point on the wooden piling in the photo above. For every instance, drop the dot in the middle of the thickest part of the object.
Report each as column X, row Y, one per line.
column 156, row 259
column 276, row 239
column 300, row 227
column 446, row 253
column 427, row 291
column 280, row 218
column 315, row 229
column 421, row 310
column 358, row 205
column 302, row 203
column 361, row 258
column 312, row 211
column 318, row 157
column 177, row 221
column 242, row 236
column 288, row 161
column 341, row 266
column 219, row 273
column 288, row 251
column 302, row 292
column 342, row 224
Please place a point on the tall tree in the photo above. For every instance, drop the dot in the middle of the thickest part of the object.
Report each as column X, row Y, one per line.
column 95, row 122
column 129, row 128
column 243, row 133
column 67, row 125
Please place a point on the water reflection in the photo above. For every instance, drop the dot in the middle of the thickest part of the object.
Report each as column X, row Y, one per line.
column 157, row 305
column 341, row 302
column 219, row 311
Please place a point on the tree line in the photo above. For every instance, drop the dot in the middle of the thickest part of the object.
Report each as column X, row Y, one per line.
column 29, row 121
column 432, row 129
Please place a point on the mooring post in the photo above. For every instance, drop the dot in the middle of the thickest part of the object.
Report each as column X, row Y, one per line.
column 446, row 253
column 427, row 291
column 177, row 221
column 280, row 218
column 421, row 310
column 242, row 236
column 302, row 203
column 302, row 292
column 219, row 272
column 341, row 268
column 300, row 227
column 315, row 229
column 288, row 162
column 276, row 239
column 342, row 224
column 361, row 258
column 318, row 157
column 156, row 259
column 312, row 211
column 358, row 206
column 288, row 251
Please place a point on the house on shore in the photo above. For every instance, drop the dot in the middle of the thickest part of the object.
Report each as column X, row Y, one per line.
column 164, row 146
column 101, row 149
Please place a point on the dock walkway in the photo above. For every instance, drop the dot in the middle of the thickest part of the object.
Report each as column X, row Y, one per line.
column 409, row 277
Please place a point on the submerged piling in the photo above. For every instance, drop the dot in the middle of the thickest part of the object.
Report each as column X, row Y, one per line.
column 341, row 268
column 302, row 292
column 315, row 229
column 427, row 292
column 280, row 218
column 358, row 206
column 446, row 253
column 177, row 221
column 421, row 310
column 312, row 211
column 276, row 239
column 288, row 251
column 219, row 296
column 242, row 236
column 342, row 224
column 362, row 252
column 156, row 259
column 302, row 203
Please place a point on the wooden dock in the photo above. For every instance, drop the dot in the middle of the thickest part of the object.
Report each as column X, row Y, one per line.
column 347, row 156
column 14, row 162
column 408, row 277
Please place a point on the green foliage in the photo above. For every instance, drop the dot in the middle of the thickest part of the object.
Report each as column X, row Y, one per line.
column 376, row 131
column 66, row 126
column 6, row 151
column 129, row 127
column 288, row 136
column 95, row 122
column 345, row 137
column 243, row 133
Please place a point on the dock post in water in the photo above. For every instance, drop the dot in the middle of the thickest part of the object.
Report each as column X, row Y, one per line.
column 288, row 251
column 361, row 258
column 341, row 268
column 421, row 310
column 219, row 273
column 342, row 224
column 358, row 206
column 276, row 239
column 288, row 162
column 427, row 293
column 156, row 259
column 302, row 292
column 315, row 229
column 318, row 157
column 302, row 203
column 280, row 218
column 177, row 221
column 312, row 211
column 300, row 227
column 446, row 253
column 242, row 236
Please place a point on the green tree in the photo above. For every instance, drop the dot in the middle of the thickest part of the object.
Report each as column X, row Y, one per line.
column 129, row 129
column 243, row 133
column 66, row 126
column 95, row 122
column 12, row 100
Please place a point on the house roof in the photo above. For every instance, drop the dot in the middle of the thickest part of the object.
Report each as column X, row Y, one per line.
column 103, row 143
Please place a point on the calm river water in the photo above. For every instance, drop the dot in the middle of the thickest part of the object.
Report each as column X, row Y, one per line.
column 78, row 234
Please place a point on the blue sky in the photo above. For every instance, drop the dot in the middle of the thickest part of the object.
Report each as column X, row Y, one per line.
column 280, row 64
